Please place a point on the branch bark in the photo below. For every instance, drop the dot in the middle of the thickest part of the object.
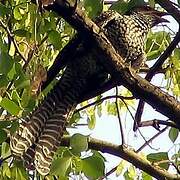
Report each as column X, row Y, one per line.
column 127, row 154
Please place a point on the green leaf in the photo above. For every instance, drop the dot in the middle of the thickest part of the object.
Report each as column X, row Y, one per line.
column 120, row 6
column 17, row 14
column 5, row 150
column 93, row 7
column 99, row 110
column 3, row 136
column 6, row 63
column 173, row 134
column 152, row 3
column 18, row 171
column 4, row 124
column 79, row 143
column 22, row 33
column 55, row 38
column 93, row 167
column 146, row 176
column 132, row 172
column 111, row 108
column 12, row 49
column 4, row 10
column 10, row 106
column 14, row 127
column 157, row 157
column 3, row 81
column 75, row 118
column 6, row 170
column 91, row 121
column 126, row 176
column 11, row 74
column 123, row 6
column 22, row 83
column 153, row 54
column 120, row 167
column 60, row 166
column 77, row 162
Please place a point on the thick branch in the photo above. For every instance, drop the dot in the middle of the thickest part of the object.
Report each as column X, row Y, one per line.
column 127, row 154
column 161, row 101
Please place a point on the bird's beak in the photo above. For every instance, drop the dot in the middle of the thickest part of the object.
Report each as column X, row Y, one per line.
column 159, row 16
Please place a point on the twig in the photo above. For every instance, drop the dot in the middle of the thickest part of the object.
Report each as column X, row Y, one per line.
column 176, row 167
column 119, row 117
column 151, row 139
column 108, row 173
column 156, row 123
column 101, row 100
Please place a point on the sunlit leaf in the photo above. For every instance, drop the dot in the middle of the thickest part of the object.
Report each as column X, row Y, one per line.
column 120, row 168
column 6, row 170
column 111, row 108
column 12, row 49
column 91, row 121
column 10, row 106
column 17, row 14
column 146, row 176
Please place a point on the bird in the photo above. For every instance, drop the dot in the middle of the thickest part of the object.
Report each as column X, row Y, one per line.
column 39, row 135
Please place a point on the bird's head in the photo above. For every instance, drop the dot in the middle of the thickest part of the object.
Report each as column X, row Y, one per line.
column 150, row 15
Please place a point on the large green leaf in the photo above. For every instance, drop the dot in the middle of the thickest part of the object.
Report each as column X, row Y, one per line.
column 158, row 157
column 6, row 63
column 60, row 166
column 55, row 38
column 93, row 167
column 10, row 106
column 4, row 10
column 93, row 7
column 79, row 142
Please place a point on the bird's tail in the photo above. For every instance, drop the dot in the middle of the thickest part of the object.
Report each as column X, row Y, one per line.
column 46, row 125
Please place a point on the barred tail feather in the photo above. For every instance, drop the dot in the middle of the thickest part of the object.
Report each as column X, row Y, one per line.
column 31, row 128
column 51, row 137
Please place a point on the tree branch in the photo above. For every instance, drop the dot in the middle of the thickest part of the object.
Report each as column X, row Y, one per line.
column 127, row 154
column 156, row 123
